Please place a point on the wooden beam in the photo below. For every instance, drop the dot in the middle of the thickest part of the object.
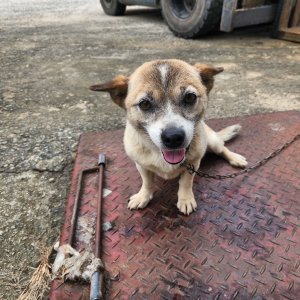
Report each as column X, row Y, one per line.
column 289, row 35
column 285, row 14
column 288, row 15
column 295, row 30
column 296, row 15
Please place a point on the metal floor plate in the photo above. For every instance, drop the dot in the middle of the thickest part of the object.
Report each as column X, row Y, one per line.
column 243, row 242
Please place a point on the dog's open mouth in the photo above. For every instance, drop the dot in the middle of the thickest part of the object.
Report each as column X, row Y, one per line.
column 173, row 156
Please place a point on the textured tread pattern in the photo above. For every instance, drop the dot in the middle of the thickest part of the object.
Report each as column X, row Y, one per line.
column 209, row 22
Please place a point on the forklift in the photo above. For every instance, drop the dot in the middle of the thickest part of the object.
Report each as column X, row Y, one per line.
column 193, row 18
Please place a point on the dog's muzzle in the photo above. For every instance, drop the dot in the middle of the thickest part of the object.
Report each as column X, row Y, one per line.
column 173, row 139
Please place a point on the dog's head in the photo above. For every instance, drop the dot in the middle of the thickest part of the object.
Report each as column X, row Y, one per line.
column 165, row 100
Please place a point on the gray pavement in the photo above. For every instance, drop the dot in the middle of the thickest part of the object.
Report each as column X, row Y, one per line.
column 50, row 52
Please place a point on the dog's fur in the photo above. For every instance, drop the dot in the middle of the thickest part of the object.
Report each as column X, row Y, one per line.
column 164, row 85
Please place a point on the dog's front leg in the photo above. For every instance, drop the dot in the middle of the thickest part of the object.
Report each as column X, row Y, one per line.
column 142, row 198
column 186, row 200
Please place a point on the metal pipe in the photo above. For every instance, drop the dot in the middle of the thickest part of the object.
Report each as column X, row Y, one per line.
column 96, row 291
column 101, row 164
column 75, row 210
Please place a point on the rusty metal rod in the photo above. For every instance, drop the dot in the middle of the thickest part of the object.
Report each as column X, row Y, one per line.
column 76, row 204
column 101, row 163
column 96, row 292
column 75, row 210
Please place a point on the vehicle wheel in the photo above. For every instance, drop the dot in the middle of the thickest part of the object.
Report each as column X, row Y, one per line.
column 192, row 18
column 113, row 7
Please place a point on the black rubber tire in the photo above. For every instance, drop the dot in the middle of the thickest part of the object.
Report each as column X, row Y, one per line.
column 201, row 18
column 113, row 7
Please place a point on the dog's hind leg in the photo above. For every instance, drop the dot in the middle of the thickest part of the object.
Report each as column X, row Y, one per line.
column 215, row 144
column 142, row 198
column 229, row 132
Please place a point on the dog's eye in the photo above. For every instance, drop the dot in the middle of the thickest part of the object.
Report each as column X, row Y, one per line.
column 189, row 98
column 145, row 104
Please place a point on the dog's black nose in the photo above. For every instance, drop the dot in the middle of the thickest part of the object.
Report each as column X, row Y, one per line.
column 173, row 137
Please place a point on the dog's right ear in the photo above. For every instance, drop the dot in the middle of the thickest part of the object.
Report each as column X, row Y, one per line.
column 117, row 88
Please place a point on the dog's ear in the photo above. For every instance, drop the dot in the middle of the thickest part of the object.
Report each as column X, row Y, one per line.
column 117, row 88
column 207, row 74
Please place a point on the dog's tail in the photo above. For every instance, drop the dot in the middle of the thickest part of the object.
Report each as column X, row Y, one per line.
column 229, row 132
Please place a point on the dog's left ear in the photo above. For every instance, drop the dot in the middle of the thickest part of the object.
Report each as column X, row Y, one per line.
column 207, row 74
column 117, row 88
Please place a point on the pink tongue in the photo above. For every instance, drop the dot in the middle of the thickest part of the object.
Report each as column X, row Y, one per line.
column 173, row 156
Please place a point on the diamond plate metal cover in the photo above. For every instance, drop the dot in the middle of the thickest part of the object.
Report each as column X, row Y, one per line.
column 243, row 242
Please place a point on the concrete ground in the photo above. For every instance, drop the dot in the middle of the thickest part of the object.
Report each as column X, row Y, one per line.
column 51, row 51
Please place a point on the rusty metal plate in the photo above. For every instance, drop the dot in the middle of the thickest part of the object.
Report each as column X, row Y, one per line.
column 243, row 242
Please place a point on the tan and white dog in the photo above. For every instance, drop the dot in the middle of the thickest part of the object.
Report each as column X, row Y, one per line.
column 165, row 102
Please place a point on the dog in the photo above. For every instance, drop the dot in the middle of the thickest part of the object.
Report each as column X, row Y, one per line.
column 165, row 103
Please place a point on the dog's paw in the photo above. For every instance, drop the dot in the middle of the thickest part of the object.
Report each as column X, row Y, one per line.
column 139, row 200
column 187, row 205
column 237, row 160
